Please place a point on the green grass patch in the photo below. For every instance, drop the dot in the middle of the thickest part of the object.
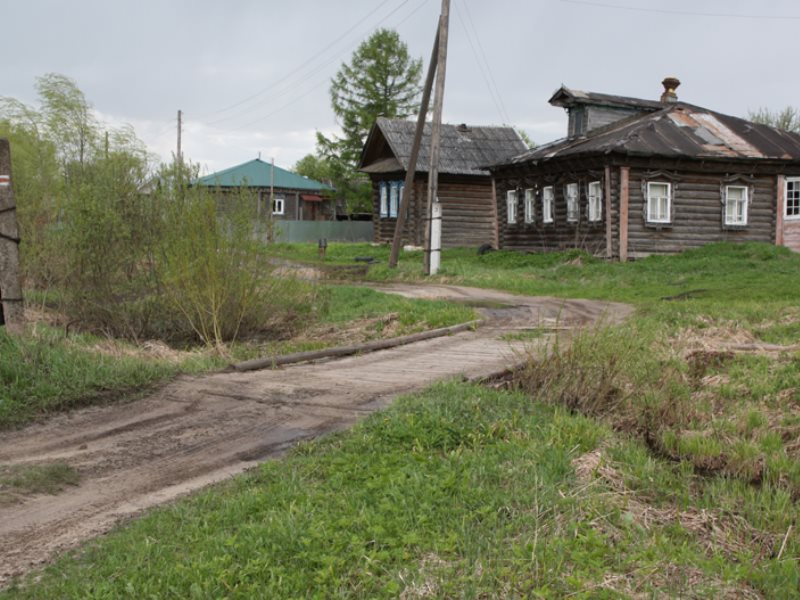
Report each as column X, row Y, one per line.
column 16, row 480
column 45, row 372
column 456, row 492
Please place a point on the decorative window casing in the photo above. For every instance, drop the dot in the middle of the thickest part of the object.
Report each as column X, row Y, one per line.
column 390, row 194
column 792, row 198
column 736, row 202
column 278, row 206
column 594, row 208
column 659, row 202
column 530, row 197
column 571, row 195
column 384, row 200
column 548, row 196
column 511, row 206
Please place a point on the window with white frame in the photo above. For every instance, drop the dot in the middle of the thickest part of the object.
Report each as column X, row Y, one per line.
column 547, row 204
column 659, row 201
column 571, row 194
column 384, row 199
column 530, row 197
column 390, row 194
column 735, row 205
column 594, row 194
column 792, row 198
column 395, row 193
column 278, row 206
column 511, row 206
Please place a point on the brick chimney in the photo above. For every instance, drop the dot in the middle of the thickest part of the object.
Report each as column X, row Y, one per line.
column 670, row 85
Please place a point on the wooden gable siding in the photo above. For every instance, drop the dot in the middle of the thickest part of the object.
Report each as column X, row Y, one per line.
column 697, row 213
column 559, row 235
column 467, row 211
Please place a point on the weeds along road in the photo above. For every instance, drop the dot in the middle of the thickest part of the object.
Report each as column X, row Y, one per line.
column 199, row 430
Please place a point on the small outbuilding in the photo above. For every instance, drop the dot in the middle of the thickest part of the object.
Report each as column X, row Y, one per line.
column 465, row 186
column 636, row 177
column 294, row 197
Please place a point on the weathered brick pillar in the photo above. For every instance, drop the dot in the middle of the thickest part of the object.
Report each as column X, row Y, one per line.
column 11, row 309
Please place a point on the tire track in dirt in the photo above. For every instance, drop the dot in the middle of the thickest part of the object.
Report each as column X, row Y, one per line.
column 200, row 430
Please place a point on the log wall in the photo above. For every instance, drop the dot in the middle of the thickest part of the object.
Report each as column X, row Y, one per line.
column 698, row 213
column 559, row 235
column 467, row 211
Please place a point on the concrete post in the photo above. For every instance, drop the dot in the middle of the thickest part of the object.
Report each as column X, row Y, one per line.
column 11, row 308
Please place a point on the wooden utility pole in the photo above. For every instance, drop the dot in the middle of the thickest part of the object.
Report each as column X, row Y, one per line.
column 433, row 245
column 411, row 171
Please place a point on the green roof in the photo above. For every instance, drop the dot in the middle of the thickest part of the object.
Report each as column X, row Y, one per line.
column 257, row 173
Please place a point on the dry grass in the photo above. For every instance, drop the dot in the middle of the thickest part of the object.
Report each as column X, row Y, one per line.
column 716, row 532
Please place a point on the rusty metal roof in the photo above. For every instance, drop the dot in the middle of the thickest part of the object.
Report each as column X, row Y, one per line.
column 464, row 149
column 677, row 131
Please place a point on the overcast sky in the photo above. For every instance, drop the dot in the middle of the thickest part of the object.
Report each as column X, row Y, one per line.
column 252, row 76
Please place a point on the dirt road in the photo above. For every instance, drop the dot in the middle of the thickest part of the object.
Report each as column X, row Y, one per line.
column 200, row 430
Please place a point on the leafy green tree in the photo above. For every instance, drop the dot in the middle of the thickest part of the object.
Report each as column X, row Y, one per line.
column 314, row 167
column 787, row 119
column 381, row 80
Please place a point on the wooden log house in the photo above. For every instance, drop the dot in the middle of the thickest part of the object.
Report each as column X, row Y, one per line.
column 465, row 189
column 637, row 177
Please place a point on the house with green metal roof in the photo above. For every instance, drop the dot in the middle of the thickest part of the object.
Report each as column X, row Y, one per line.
column 294, row 197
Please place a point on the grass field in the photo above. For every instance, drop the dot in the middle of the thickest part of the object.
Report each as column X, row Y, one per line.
column 659, row 458
column 459, row 492
column 47, row 370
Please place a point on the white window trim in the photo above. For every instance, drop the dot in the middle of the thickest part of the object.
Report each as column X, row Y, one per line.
column 278, row 205
column 548, row 203
column 668, row 219
column 384, row 200
column 572, row 199
column 728, row 200
column 395, row 190
column 594, row 199
column 530, row 199
column 511, row 207
column 786, row 215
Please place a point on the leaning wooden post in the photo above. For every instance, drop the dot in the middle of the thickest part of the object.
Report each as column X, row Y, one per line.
column 411, row 171
column 11, row 307
column 431, row 266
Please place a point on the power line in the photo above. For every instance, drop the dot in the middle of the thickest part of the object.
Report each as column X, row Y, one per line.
column 681, row 12
column 493, row 92
column 302, row 65
column 309, row 75
column 486, row 62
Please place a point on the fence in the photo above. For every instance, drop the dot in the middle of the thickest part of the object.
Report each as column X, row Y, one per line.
column 333, row 231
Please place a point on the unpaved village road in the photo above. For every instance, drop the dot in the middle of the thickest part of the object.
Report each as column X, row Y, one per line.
column 199, row 430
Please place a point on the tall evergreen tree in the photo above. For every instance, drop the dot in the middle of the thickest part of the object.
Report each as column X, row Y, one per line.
column 381, row 80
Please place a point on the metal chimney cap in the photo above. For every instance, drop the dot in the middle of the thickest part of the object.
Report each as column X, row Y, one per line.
column 670, row 85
